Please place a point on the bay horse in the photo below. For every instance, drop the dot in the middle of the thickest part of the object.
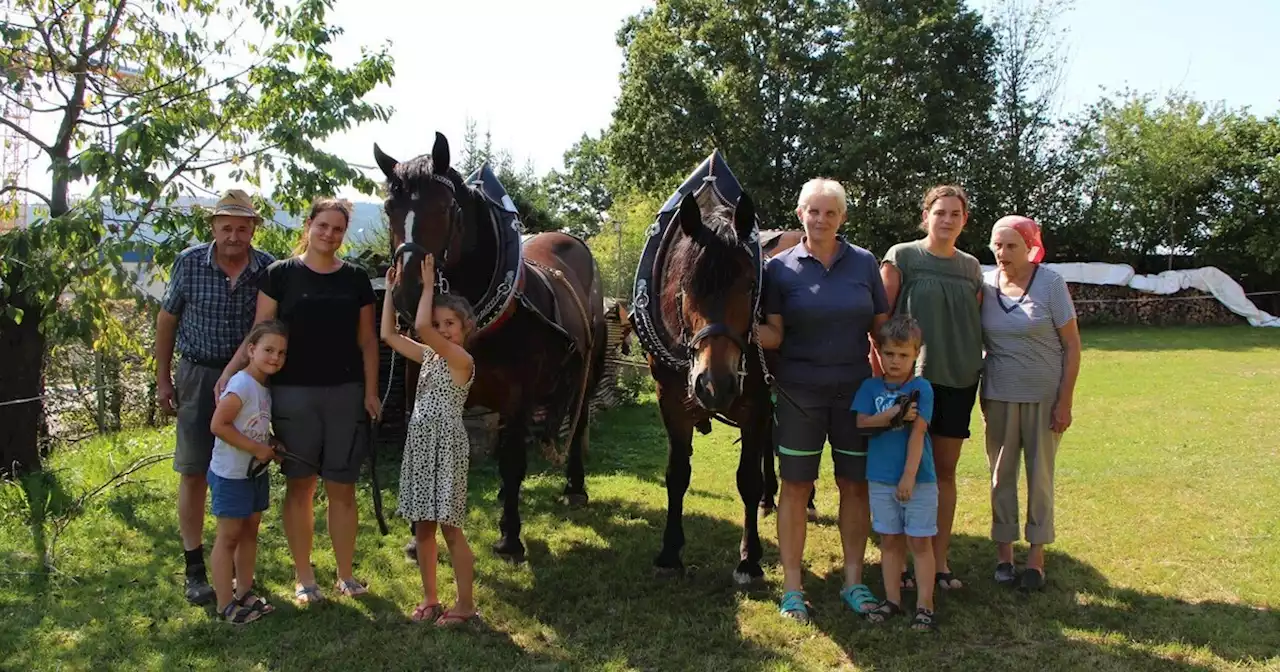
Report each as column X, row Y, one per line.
column 540, row 336
column 697, row 291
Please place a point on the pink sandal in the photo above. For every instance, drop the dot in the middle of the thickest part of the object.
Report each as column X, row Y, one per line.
column 427, row 612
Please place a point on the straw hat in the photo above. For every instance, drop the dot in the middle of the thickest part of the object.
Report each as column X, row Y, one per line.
column 236, row 203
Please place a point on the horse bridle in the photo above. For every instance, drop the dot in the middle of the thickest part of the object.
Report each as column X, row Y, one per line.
column 714, row 327
column 453, row 229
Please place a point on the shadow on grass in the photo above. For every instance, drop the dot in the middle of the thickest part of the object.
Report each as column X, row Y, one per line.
column 1080, row 620
column 606, row 604
column 1154, row 339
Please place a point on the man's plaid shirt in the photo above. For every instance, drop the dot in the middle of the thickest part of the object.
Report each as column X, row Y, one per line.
column 213, row 316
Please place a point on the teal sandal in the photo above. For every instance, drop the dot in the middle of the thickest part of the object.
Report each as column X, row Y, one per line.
column 794, row 606
column 859, row 598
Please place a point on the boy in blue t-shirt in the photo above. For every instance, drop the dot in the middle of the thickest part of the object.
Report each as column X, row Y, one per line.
column 898, row 407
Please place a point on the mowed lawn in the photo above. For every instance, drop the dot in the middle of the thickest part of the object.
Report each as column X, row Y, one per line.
column 1168, row 553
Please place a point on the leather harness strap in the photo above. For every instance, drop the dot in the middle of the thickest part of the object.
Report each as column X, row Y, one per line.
column 547, row 271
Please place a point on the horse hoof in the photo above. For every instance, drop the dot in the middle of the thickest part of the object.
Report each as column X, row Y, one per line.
column 411, row 550
column 512, row 553
column 812, row 515
column 766, row 509
column 668, row 572
column 747, row 574
column 576, row 499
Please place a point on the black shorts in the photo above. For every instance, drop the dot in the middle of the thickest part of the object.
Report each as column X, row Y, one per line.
column 952, row 410
column 326, row 426
column 799, row 436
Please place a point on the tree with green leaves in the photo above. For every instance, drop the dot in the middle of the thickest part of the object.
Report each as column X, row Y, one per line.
column 1024, row 143
column 620, row 239
column 887, row 97
column 581, row 192
column 701, row 75
column 152, row 103
column 1157, row 171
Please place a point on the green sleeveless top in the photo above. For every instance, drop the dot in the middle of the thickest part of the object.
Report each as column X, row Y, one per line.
column 942, row 295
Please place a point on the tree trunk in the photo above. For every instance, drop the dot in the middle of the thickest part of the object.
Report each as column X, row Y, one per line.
column 22, row 354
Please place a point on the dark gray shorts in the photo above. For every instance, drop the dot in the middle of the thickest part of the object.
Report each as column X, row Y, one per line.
column 193, row 386
column 799, row 437
column 327, row 426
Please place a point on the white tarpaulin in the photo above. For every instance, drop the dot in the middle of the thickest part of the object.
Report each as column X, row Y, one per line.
column 1206, row 279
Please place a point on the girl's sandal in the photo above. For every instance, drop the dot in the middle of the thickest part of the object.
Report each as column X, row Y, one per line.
column 883, row 612
column 238, row 614
column 307, row 595
column 427, row 612
column 924, row 621
column 350, row 587
column 450, row 620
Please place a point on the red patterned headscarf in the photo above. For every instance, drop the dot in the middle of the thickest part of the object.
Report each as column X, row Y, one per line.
column 1030, row 232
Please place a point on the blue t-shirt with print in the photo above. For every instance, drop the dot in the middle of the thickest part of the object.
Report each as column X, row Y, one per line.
column 887, row 451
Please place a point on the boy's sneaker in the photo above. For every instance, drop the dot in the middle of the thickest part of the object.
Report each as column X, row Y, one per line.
column 1006, row 575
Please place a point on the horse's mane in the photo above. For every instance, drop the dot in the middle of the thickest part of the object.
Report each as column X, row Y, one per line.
column 708, row 267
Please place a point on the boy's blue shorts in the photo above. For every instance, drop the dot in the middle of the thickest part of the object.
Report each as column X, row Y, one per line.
column 917, row 517
column 239, row 497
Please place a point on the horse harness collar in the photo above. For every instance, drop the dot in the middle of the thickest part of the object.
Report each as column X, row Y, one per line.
column 714, row 181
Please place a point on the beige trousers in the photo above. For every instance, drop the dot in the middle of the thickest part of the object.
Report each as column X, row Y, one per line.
column 1014, row 430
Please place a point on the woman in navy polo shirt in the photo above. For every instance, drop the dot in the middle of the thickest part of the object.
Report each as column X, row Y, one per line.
column 826, row 296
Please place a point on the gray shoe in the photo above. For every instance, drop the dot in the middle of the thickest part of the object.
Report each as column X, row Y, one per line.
column 198, row 590
column 1006, row 574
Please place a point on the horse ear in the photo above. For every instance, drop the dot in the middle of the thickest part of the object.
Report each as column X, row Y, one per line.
column 744, row 216
column 691, row 217
column 386, row 163
column 440, row 154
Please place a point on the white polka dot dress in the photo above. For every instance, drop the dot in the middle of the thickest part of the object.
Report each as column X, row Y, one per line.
column 437, row 454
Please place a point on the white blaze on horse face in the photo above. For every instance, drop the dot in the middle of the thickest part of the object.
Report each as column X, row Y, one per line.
column 409, row 219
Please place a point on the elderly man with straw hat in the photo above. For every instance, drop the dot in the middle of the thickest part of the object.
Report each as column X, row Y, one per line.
column 207, row 309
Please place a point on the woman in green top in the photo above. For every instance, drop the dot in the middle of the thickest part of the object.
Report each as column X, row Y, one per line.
column 941, row 287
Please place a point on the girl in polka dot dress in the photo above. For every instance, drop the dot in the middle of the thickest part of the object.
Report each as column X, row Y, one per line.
column 433, row 472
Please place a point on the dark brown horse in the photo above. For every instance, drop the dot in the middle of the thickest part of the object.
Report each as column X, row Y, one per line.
column 540, row 339
column 696, row 296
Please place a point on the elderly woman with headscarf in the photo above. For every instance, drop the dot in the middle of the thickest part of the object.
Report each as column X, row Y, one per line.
column 1029, row 377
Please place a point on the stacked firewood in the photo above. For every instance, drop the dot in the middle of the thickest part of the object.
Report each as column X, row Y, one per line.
column 1110, row 304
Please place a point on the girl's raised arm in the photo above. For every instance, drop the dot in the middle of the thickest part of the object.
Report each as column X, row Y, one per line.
column 457, row 357
column 387, row 330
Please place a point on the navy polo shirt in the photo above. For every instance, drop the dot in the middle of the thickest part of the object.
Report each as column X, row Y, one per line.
column 826, row 314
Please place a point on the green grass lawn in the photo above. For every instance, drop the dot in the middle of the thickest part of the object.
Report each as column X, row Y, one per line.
column 1168, row 553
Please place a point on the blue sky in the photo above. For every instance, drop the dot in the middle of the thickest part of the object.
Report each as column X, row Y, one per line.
column 540, row 74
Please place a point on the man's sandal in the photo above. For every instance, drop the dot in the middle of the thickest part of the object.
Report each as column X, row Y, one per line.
column 883, row 612
column 794, row 606
column 238, row 614
column 859, row 598
column 924, row 621
column 427, row 612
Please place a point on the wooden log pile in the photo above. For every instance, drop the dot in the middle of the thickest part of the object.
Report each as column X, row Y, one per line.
column 1111, row 304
